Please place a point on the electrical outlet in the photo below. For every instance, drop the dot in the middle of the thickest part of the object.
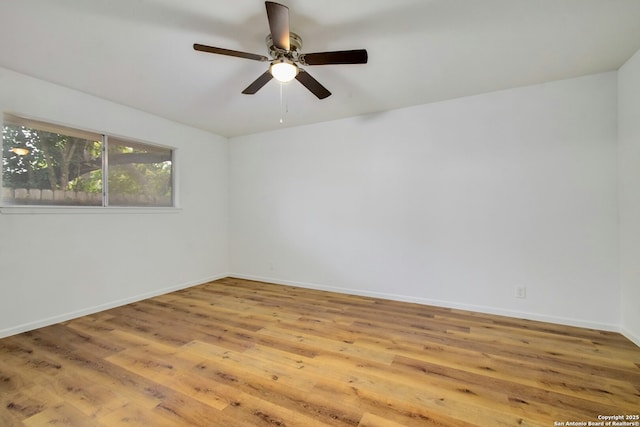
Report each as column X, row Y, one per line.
column 521, row 292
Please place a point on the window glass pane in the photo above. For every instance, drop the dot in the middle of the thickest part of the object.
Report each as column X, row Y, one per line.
column 49, row 165
column 139, row 174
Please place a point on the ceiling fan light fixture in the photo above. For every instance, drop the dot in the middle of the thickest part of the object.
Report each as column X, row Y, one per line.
column 284, row 48
column 283, row 70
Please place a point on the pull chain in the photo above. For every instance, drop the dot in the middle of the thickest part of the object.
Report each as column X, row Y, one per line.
column 281, row 119
column 284, row 108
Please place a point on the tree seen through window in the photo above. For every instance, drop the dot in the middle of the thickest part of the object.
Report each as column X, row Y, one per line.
column 49, row 165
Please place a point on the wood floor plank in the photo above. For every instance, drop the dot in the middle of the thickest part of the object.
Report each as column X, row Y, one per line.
column 195, row 386
column 24, row 403
column 93, row 399
column 371, row 420
column 133, row 415
column 286, row 375
column 62, row 414
column 254, row 388
column 236, row 352
column 507, row 348
column 516, row 372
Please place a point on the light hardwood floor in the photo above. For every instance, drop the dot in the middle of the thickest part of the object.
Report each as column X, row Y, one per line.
column 241, row 353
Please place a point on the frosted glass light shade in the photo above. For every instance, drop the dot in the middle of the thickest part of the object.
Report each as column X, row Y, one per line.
column 283, row 71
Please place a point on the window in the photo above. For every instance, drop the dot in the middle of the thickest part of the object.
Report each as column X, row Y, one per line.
column 51, row 165
column 139, row 174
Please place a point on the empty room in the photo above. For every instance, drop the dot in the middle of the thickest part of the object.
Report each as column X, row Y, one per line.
column 364, row 213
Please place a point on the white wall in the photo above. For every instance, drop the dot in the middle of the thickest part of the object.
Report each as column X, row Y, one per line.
column 629, row 154
column 453, row 203
column 57, row 266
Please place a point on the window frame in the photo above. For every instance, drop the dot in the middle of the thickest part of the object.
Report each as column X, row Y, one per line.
column 49, row 126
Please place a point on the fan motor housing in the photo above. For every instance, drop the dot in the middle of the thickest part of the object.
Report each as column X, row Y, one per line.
column 295, row 44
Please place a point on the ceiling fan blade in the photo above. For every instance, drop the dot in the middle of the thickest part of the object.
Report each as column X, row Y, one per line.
column 358, row 56
column 229, row 52
column 258, row 83
column 312, row 84
column 278, row 16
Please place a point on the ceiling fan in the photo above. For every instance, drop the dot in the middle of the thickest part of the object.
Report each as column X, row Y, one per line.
column 284, row 49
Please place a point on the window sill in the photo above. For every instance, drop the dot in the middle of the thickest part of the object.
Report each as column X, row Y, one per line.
column 30, row 210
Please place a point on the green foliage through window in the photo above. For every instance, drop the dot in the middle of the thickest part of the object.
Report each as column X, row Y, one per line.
column 44, row 164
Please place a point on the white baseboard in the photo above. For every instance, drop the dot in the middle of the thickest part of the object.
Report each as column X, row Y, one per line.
column 581, row 323
column 396, row 297
column 95, row 309
column 631, row 336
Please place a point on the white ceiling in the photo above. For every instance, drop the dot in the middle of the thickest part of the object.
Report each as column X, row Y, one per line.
column 139, row 52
